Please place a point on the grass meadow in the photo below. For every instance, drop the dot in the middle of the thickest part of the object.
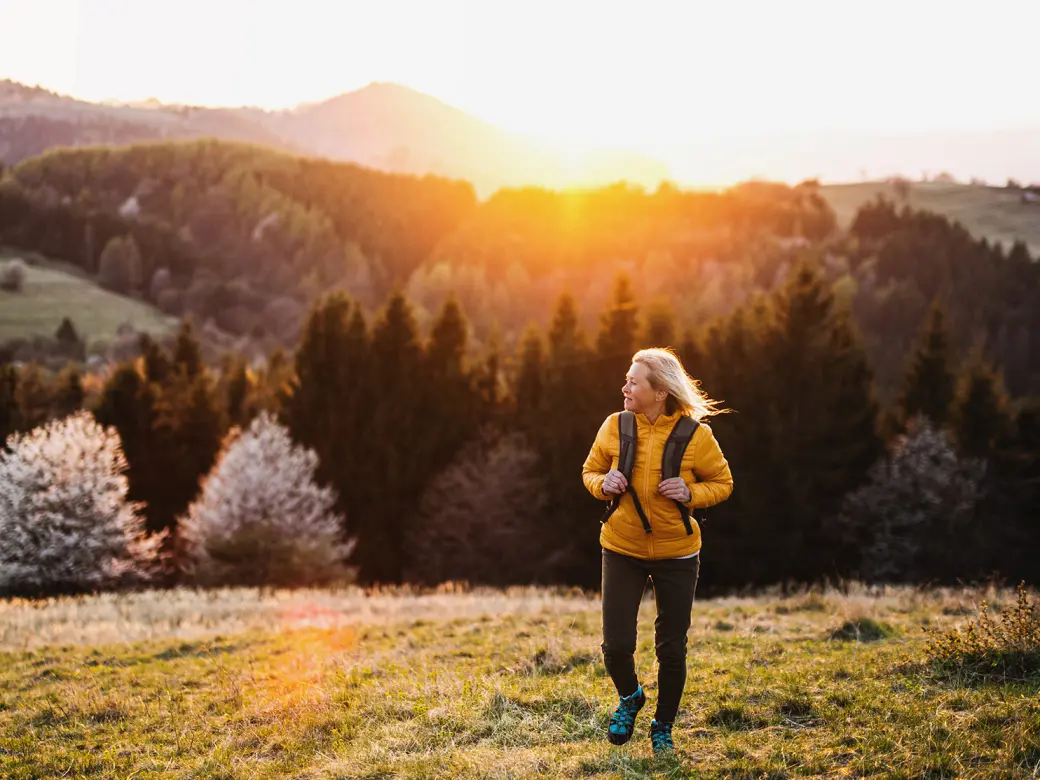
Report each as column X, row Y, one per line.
column 53, row 291
column 467, row 683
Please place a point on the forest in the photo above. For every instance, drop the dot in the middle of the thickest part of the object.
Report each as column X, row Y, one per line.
column 448, row 361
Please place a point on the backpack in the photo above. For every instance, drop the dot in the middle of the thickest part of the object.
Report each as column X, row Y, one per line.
column 671, row 464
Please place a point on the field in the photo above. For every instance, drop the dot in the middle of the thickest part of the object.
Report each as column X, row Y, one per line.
column 460, row 684
column 52, row 292
column 991, row 212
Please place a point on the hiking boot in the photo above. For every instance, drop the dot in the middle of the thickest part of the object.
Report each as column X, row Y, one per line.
column 623, row 721
column 661, row 737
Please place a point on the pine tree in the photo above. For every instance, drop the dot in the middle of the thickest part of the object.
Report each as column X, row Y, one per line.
column 981, row 416
column 157, row 366
column 238, row 393
column 68, row 394
column 562, row 436
column 619, row 326
column 330, row 400
column 33, row 392
column 532, row 380
column 192, row 422
column 930, row 380
column 187, row 352
column 447, row 347
column 660, row 326
column 399, row 460
column 10, row 411
column 809, row 423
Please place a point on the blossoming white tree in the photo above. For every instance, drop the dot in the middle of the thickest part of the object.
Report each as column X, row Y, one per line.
column 261, row 518
column 909, row 520
column 65, row 522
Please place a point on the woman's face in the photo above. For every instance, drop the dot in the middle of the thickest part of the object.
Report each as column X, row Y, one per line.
column 639, row 396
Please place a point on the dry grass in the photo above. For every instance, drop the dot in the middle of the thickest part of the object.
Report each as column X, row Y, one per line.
column 459, row 684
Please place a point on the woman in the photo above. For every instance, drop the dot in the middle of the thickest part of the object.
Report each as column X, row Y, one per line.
column 659, row 392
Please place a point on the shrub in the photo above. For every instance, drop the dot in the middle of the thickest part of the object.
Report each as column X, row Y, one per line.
column 985, row 650
column 910, row 519
column 119, row 268
column 261, row 518
column 65, row 522
column 474, row 521
column 161, row 281
column 12, row 275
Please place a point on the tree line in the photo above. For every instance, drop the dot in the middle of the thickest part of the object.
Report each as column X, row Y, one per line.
column 453, row 463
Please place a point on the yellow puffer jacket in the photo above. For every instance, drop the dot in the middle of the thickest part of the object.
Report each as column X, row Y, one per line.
column 704, row 470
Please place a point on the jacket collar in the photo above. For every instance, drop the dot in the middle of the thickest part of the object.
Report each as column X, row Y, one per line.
column 663, row 421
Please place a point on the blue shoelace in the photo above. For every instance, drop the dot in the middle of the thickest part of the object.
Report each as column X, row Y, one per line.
column 661, row 737
column 624, row 717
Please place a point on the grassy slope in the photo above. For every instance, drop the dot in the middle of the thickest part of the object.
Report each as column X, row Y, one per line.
column 315, row 684
column 992, row 212
column 51, row 293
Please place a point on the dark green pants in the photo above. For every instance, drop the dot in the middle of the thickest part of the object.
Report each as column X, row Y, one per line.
column 675, row 583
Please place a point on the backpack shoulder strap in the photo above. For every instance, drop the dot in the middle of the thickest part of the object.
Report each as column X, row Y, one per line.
column 671, row 460
column 626, row 459
column 675, row 447
column 626, row 443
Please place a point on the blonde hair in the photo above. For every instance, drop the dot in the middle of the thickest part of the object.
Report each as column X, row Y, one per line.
column 685, row 395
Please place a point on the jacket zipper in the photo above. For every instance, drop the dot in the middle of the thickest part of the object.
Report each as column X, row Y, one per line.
column 646, row 486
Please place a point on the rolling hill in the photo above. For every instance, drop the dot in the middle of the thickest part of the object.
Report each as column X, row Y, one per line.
column 53, row 291
column 996, row 213
column 383, row 126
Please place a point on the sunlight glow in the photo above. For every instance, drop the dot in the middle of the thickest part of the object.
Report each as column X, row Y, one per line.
column 660, row 77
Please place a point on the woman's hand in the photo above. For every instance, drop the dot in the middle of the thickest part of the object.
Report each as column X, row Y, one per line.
column 614, row 483
column 674, row 489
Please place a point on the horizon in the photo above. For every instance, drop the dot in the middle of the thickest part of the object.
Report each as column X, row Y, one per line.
column 581, row 75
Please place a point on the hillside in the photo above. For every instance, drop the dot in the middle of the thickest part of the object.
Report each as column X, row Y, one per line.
column 233, row 683
column 383, row 126
column 995, row 213
column 52, row 293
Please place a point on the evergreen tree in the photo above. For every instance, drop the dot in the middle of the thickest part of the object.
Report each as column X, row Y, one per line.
column 128, row 403
column 187, row 352
column 329, row 400
column 33, row 392
column 399, row 462
column 452, row 402
column 68, row 394
column 808, row 426
column 238, row 393
column 690, row 354
column 10, row 411
column 191, row 419
column 660, row 326
column 157, row 366
column 981, row 417
column 930, row 380
column 563, row 435
column 531, row 381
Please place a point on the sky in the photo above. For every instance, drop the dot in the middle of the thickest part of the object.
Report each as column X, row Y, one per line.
column 649, row 75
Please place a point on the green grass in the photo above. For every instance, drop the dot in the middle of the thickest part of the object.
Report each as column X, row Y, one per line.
column 51, row 293
column 991, row 212
column 322, row 684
